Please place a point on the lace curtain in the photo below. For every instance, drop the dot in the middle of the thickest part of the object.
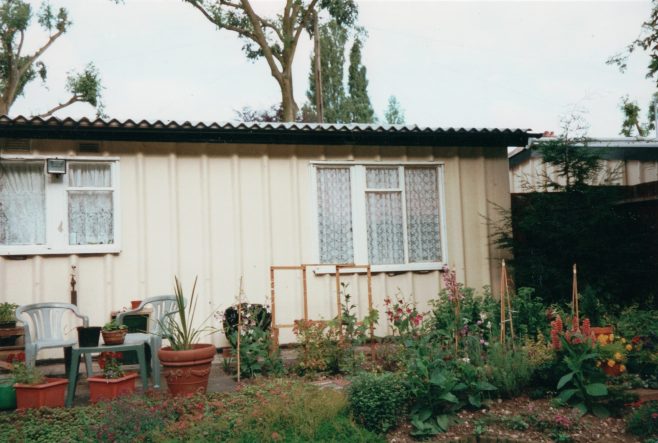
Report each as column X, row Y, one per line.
column 335, row 215
column 385, row 222
column 91, row 213
column 423, row 227
column 22, row 203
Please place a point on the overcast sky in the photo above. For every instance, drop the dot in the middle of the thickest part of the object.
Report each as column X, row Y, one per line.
column 450, row 64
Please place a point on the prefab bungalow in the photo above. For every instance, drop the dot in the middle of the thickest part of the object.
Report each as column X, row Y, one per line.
column 129, row 205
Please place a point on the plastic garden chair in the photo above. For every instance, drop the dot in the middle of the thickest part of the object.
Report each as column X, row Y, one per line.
column 43, row 325
column 161, row 306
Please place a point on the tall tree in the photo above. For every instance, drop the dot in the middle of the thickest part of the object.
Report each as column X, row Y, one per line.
column 274, row 38
column 394, row 114
column 359, row 107
column 647, row 41
column 333, row 38
column 18, row 69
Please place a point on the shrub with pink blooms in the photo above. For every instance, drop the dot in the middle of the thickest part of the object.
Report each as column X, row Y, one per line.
column 403, row 316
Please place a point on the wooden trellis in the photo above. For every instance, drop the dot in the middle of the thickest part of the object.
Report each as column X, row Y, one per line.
column 303, row 268
column 506, row 314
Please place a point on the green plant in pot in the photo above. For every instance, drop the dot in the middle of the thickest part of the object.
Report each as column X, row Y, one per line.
column 33, row 390
column 7, row 315
column 186, row 362
column 114, row 382
column 114, row 333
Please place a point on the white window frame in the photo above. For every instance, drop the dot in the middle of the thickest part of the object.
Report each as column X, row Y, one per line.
column 359, row 216
column 57, row 236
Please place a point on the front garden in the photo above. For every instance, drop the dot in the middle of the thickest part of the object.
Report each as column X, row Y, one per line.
column 451, row 373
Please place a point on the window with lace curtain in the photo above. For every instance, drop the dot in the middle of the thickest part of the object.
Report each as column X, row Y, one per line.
column 43, row 213
column 390, row 216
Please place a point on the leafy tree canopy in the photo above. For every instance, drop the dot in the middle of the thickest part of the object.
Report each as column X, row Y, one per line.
column 394, row 113
column 275, row 39
column 18, row 69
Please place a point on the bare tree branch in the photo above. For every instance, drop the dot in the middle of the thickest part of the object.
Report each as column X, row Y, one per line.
column 31, row 59
column 72, row 100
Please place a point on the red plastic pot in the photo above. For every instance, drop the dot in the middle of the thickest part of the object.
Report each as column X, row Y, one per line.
column 187, row 372
column 51, row 393
column 101, row 388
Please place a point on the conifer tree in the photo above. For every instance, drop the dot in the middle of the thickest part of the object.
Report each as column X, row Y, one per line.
column 358, row 107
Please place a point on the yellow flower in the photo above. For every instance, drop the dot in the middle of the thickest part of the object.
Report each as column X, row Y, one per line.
column 611, row 363
column 598, row 364
column 612, row 337
column 623, row 340
column 618, row 356
column 603, row 339
column 622, row 368
column 629, row 347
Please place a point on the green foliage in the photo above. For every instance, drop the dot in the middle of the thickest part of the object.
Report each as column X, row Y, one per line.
column 333, row 38
column 529, row 313
column 86, row 86
column 29, row 375
column 256, row 355
column 510, row 371
column 631, row 123
column 634, row 321
column 394, row 114
column 7, row 312
column 358, row 104
column 584, row 385
column 644, row 421
column 178, row 327
column 435, row 402
column 113, row 325
column 378, row 401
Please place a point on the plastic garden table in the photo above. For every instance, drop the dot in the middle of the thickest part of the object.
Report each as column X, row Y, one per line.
column 77, row 351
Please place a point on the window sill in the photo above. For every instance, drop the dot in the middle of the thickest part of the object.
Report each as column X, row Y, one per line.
column 23, row 250
column 411, row 267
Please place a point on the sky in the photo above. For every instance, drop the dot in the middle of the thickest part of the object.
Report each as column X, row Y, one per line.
column 517, row 64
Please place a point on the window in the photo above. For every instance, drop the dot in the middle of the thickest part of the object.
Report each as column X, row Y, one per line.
column 43, row 213
column 390, row 216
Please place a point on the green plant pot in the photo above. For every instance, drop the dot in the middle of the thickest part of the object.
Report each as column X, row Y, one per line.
column 89, row 336
column 7, row 395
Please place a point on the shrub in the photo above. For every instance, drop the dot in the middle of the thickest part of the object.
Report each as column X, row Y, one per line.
column 644, row 421
column 510, row 371
column 378, row 400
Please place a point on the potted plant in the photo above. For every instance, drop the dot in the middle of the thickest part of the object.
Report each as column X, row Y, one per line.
column 7, row 315
column 114, row 333
column 613, row 351
column 114, row 382
column 186, row 362
column 33, row 390
column 8, row 322
column 88, row 336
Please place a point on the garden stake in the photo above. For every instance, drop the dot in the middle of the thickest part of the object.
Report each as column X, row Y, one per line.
column 239, row 324
column 505, row 306
column 574, row 300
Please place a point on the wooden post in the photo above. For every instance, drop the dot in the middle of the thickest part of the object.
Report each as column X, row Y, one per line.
column 305, row 287
column 319, row 102
column 239, row 325
column 74, row 292
column 338, row 304
column 574, row 300
column 275, row 334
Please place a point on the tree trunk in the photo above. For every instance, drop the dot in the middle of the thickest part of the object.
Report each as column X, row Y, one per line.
column 4, row 109
column 287, row 99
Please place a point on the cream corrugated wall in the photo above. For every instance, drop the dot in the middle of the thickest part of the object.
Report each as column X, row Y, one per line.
column 224, row 211
column 624, row 172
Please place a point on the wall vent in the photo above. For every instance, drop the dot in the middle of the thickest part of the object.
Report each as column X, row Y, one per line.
column 16, row 144
column 89, row 147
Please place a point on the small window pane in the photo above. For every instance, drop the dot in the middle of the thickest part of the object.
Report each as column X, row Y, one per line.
column 385, row 230
column 90, row 175
column 423, row 222
column 335, row 215
column 22, row 203
column 91, row 216
column 382, row 178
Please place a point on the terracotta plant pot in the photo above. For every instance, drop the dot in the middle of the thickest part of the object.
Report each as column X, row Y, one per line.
column 601, row 330
column 101, row 388
column 134, row 304
column 114, row 337
column 612, row 371
column 50, row 393
column 227, row 352
column 187, row 372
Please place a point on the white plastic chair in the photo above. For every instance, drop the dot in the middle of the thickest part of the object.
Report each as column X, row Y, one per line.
column 161, row 306
column 43, row 325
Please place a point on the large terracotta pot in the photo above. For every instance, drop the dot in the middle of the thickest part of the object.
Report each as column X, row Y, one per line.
column 50, row 394
column 101, row 388
column 187, row 372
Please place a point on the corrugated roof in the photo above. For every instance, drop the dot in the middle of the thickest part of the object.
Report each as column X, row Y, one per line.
column 257, row 132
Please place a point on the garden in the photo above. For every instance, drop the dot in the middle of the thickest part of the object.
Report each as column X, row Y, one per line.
column 471, row 368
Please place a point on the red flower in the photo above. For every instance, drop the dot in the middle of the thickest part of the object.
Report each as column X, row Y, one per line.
column 636, row 340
